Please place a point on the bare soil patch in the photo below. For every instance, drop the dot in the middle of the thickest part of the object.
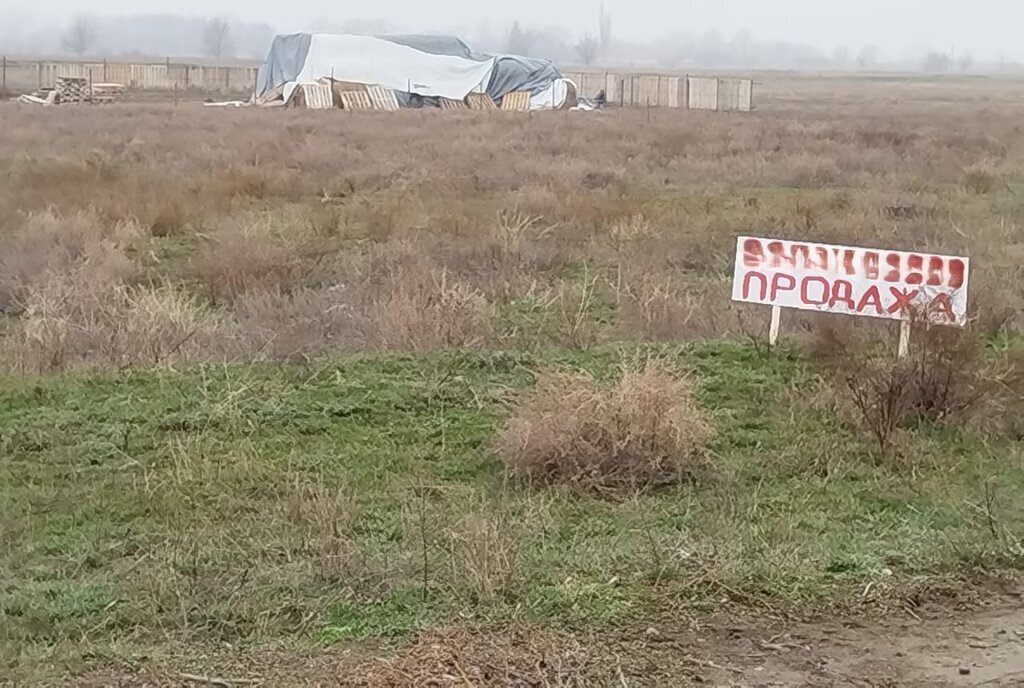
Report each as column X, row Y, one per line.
column 942, row 643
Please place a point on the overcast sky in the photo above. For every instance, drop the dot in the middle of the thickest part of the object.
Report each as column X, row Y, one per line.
column 985, row 28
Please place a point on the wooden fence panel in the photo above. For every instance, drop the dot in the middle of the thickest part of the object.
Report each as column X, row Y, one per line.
column 703, row 93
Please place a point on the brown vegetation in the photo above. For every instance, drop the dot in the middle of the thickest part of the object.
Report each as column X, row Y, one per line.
column 640, row 430
column 948, row 377
column 307, row 234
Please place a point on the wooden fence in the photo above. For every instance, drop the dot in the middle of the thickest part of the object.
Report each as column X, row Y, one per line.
column 28, row 75
column 625, row 89
column 661, row 90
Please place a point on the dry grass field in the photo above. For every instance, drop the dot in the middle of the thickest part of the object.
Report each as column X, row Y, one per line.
column 331, row 398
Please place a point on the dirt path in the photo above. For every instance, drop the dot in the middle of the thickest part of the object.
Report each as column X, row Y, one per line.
column 941, row 648
column 939, row 644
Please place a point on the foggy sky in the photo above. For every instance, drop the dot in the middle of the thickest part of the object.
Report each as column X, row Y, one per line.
column 987, row 29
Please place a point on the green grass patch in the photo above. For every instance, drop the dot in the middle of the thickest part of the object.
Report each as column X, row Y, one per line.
column 364, row 498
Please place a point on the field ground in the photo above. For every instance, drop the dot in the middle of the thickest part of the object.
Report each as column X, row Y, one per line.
column 256, row 367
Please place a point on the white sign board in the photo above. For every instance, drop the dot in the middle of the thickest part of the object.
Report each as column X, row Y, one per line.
column 852, row 281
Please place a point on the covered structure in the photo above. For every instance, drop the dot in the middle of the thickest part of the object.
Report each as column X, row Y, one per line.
column 418, row 68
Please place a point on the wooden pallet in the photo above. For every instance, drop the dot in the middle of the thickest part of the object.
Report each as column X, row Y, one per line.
column 72, row 89
column 317, row 96
column 107, row 93
column 480, row 101
column 450, row 104
column 383, row 98
column 517, row 101
column 356, row 100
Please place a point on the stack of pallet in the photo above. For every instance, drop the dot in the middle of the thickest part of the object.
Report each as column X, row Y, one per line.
column 73, row 89
column 107, row 93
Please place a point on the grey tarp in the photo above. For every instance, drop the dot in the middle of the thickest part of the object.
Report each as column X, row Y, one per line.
column 517, row 73
column 511, row 73
column 435, row 45
column 284, row 61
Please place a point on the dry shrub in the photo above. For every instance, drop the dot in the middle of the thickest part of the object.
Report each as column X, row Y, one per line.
column 303, row 323
column 45, row 246
column 980, row 179
column 484, row 554
column 947, row 377
column 414, row 305
column 642, row 429
column 439, row 313
column 655, row 308
column 79, row 319
column 249, row 256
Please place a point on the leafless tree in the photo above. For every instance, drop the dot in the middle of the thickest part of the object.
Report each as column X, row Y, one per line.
column 217, row 41
column 604, row 26
column 587, row 49
column 965, row 62
column 80, row 36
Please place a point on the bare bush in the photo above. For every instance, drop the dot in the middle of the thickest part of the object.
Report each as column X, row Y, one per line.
column 980, row 179
column 304, row 323
column 642, row 429
column 484, row 551
column 412, row 304
column 46, row 246
column 79, row 319
column 945, row 378
column 657, row 309
column 249, row 256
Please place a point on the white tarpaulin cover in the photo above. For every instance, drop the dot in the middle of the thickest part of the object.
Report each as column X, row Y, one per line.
column 369, row 60
column 428, row 67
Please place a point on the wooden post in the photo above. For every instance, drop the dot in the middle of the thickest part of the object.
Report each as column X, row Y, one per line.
column 175, row 94
column 773, row 328
column 904, row 346
column 622, row 93
column 3, row 84
column 90, row 84
column 40, row 73
column 227, row 78
column 658, row 101
column 105, row 70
